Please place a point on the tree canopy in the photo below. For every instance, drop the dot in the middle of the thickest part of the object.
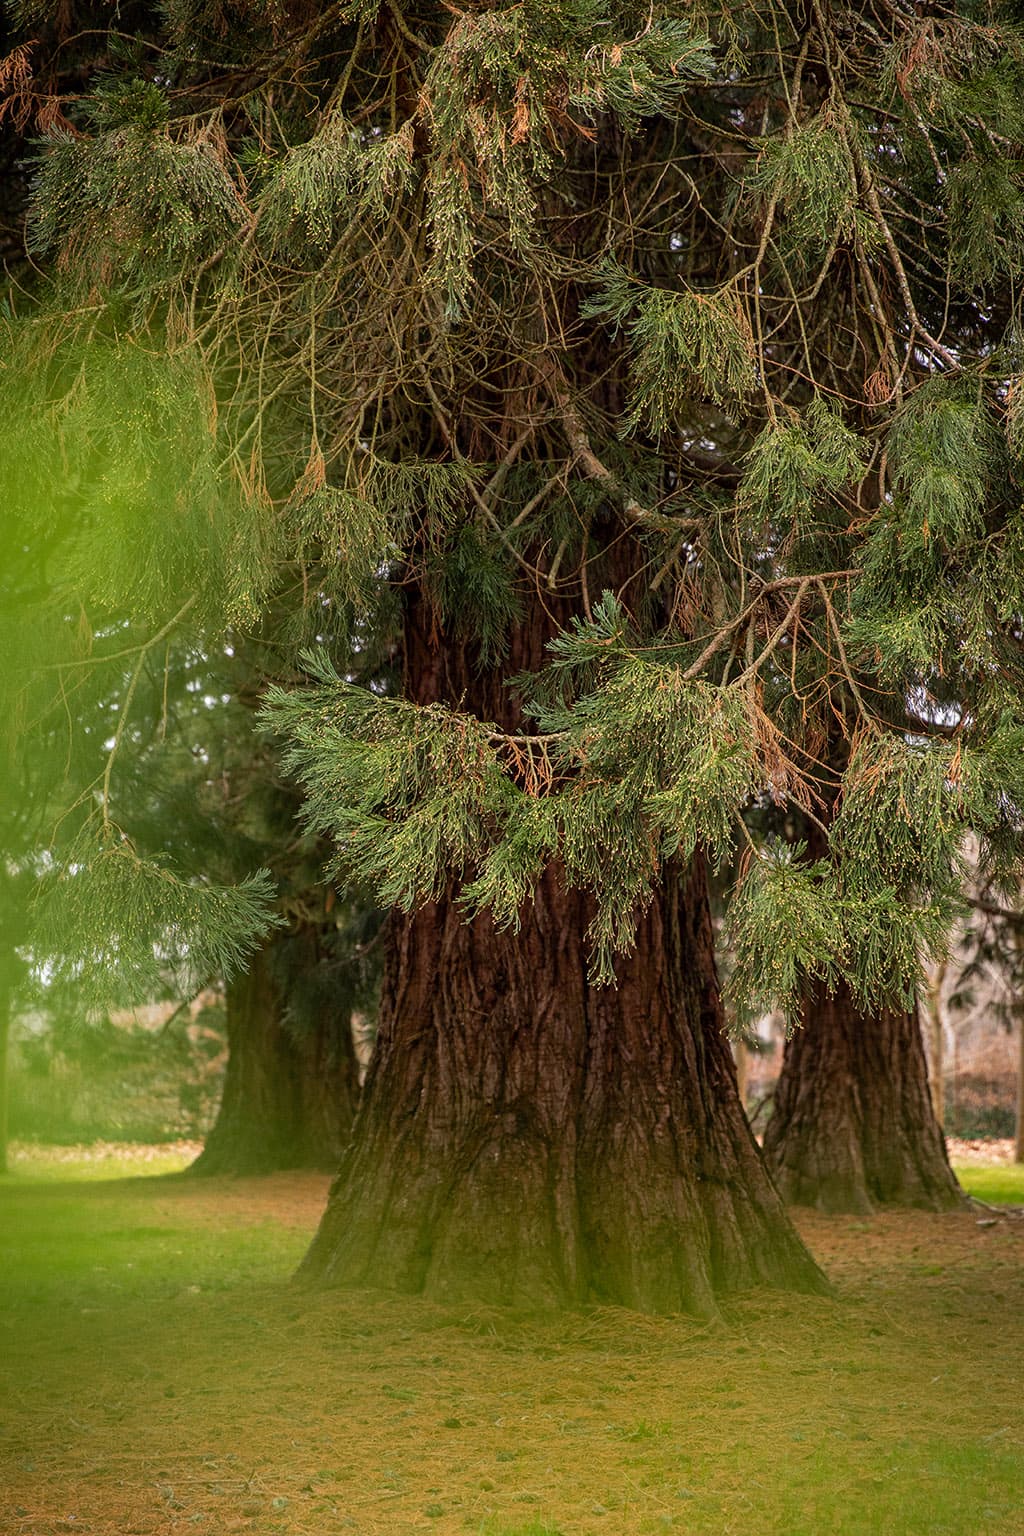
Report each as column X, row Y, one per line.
column 694, row 332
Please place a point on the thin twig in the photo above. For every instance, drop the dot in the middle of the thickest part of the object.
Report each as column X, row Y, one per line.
column 126, row 706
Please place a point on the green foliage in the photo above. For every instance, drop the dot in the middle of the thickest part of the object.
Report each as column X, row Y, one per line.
column 451, row 236
column 654, row 765
column 317, row 182
column 985, row 198
column 114, row 470
column 472, row 578
column 783, row 929
column 796, row 464
column 685, row 346
column 85, row 1079
column 343, row 532
column 684, row 750
column 353, row 533
column 901, row 816
column 640, row 768
column 809, row 176
column 134, row 201
column 112, row 928
column 1014, row 418
column 496, row 98
column 962, row 74
column 337, row 177
column 792, row 923
column 645, row 75
column 128, row 103
column 408, row 793
column 213, row 26
column 933, row 574
column 944, row 449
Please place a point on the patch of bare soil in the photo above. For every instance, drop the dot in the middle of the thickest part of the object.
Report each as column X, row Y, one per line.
column 996, row 1150
column 292, row 1199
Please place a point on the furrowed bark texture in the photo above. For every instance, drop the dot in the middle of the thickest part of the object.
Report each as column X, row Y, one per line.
column 526, row 1138
column 289, row 1098
column 529, row 1139
column 852, row 1124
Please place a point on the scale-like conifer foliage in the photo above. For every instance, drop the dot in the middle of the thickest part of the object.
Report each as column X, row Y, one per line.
column 694, row 334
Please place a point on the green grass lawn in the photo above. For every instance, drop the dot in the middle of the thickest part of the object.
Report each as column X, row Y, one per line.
column 75, row 1165
column 997, row 1183
column 161, row 1375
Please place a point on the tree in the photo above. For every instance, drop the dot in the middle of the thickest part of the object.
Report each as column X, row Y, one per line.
column 103, row 694
column 292, row 1080
column 646, row 389
column 140, row 742
column 994, row 939
column 852, row 1124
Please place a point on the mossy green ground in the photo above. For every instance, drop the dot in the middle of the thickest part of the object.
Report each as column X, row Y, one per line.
column 159, row 1374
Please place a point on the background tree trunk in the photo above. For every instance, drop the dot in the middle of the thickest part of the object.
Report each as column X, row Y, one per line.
column 741, row 1056
column 936, row 1052
column 852, row 1125
column 289, row 1094
column 528, row 1139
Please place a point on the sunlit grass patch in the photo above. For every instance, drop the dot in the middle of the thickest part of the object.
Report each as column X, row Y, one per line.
column 998, row 1183
column 913, row 1488
column 99, row 1160
column 94, row 1236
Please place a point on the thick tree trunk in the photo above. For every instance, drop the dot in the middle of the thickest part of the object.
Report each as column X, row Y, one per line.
column 852, row 1124
column 528, row 1139
column 289, row 1096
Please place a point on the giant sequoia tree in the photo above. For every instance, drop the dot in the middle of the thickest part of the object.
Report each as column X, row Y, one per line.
column 291, row 1085
column 646, row 385
column 852, row 1124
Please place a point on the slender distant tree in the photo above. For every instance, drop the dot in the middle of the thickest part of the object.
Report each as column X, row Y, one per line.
column 992, row 944
column 646, row 385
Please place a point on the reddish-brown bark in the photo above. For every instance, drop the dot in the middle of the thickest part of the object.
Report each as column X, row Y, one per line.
column 528, row 1138
column 852, row 1123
